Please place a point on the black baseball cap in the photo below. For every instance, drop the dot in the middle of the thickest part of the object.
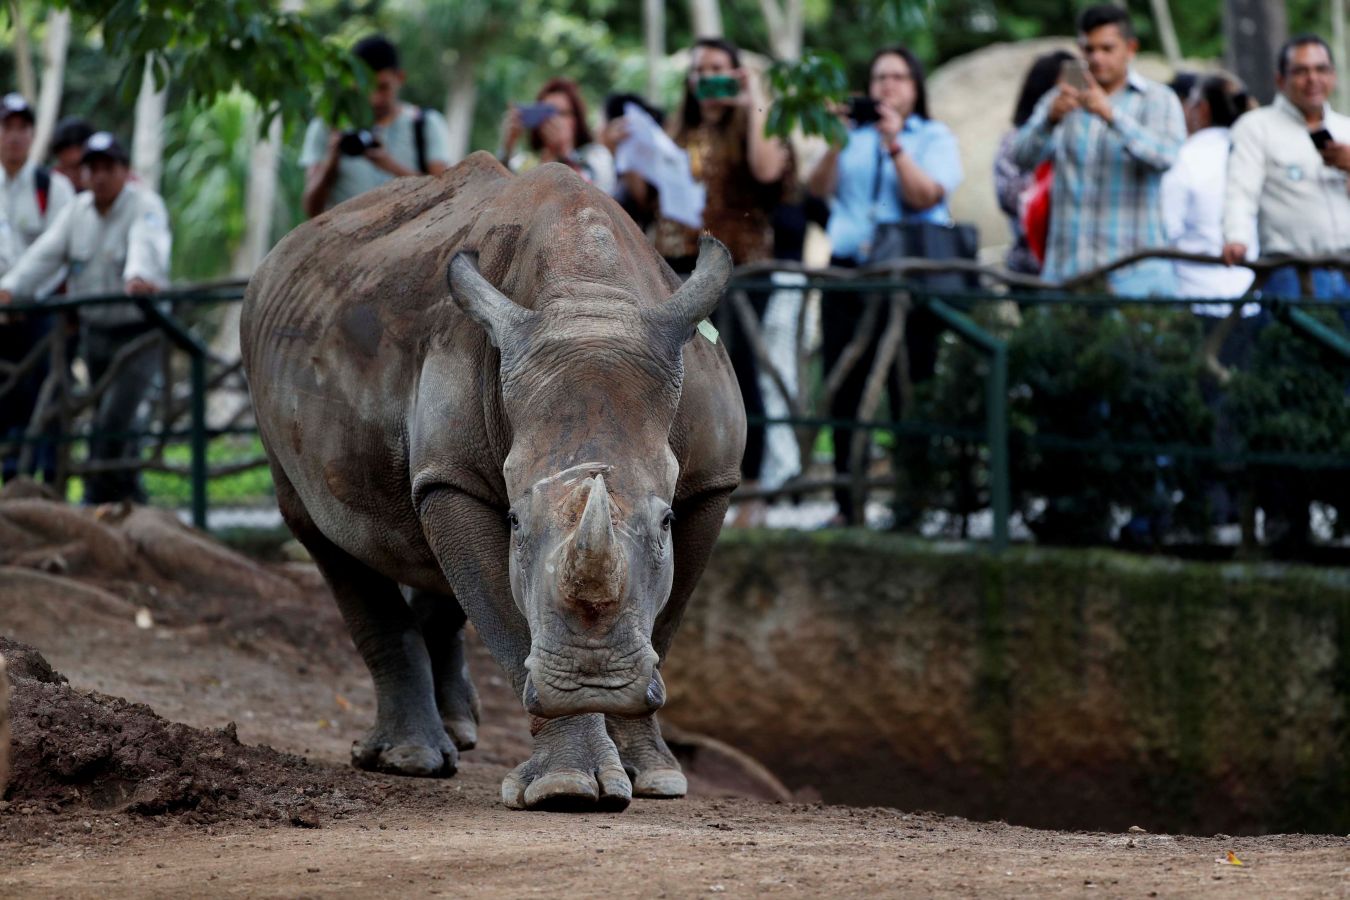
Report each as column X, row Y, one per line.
column 72, row 131
column 103, row 143
column 13, row 104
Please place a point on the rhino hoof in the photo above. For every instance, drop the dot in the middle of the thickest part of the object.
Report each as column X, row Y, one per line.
column 414, row 760
column 660, row 784
column 570, row 790
column 464, row 732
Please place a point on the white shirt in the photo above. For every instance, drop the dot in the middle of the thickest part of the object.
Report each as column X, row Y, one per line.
column 1280, row 190
column 22, row 222
column 102, row 252
column 1192, row 201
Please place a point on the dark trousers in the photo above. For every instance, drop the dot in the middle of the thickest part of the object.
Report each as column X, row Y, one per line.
column 17, row 338
column 743, row 363
column 117, row 413
column 840, row 315
column 746, row 367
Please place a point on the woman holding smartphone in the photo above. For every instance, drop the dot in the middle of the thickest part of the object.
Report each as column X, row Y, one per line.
column 900, row 167
column 720, row 123
column 557, row 129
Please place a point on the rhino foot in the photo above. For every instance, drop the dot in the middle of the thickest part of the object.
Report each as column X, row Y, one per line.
column 648, row 761
column 460, row 711
column 406, row 755
column 575, row 768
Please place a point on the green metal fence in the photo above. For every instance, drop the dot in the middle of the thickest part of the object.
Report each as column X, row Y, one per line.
column 60, row 403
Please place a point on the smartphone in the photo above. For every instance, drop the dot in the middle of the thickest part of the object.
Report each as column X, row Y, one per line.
column 1321, row 137
column 716, row 87
column 863, row 110
column 532, row 115
column 1074, row 73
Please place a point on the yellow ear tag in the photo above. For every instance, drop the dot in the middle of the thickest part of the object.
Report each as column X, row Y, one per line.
column 706, row 329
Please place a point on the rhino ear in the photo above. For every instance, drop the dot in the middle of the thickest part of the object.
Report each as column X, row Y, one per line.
column 698, row 297
column 486, row 305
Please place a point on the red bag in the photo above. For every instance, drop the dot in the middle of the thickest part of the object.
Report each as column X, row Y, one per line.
column 1035, row 207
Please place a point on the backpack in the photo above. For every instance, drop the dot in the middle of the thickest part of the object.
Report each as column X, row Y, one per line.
column 42, row 185
column 1035, row 207
column 420, row 139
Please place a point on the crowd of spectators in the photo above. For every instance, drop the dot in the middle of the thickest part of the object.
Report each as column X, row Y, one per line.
column 83, row 226
column 1100, row 163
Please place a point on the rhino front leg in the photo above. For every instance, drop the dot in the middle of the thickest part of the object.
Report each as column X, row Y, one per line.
column 646, row 757
column 575, row 765
column 408, row 737
column 441, row 620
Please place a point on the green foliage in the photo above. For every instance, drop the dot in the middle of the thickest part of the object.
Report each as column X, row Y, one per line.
column 1082, row 380
column 211, row 49
column 251, row 488
column 803, row 93
column 206, row 171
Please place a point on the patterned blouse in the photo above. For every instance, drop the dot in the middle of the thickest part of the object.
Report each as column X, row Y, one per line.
column 739, row 208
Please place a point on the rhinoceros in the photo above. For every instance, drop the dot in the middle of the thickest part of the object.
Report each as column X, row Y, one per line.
column 486, row 394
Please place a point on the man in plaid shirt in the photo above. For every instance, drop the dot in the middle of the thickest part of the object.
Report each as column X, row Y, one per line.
column 1111, row 138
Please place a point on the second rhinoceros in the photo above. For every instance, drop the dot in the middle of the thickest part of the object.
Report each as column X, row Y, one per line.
column 548, row 445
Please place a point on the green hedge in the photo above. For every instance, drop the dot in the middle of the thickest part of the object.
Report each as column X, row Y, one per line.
column 1090, row 390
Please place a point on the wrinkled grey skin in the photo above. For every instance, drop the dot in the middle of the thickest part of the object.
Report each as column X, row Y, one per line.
column 546, row 445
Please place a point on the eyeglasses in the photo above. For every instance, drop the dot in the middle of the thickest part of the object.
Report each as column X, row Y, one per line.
column 1305, row 71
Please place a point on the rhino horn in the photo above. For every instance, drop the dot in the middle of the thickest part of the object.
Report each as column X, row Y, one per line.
column 486, row 305
column 592, row 575
column 698, row 297
column 595, row 534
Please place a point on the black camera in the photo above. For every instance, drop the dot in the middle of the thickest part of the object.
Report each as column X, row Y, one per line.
column 863, row 110
column 356, row 142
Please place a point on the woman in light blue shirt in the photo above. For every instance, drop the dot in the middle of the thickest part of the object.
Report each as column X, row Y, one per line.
column 901, row 168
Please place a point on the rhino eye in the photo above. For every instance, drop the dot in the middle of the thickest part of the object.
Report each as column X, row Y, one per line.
column 667, row 520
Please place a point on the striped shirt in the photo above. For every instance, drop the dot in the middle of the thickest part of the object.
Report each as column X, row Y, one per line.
column 1106, row 199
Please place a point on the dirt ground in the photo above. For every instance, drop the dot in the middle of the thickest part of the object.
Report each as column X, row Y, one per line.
column 190, row 735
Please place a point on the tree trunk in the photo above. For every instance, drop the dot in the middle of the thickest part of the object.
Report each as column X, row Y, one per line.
column 1254, row 31
column 707, row 16
column 1167, row 33
column 23, row 54
column 654, row 30
column 1338, row 53
column 459, row 105
column 786, row 23
column 147, row 142
column 54, row 49
column 260, row 201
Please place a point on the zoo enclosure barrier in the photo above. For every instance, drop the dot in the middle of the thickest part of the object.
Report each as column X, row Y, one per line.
column 808, row 400
column 192, row 374
column 178, row 407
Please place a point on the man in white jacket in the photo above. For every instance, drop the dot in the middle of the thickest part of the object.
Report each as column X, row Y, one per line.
column 1287, row 184
column 31, row 198
column 114, row 238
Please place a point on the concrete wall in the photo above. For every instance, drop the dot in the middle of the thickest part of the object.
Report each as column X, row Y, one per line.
column 1051, row 688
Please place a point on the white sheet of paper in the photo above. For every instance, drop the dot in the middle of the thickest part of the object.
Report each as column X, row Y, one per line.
column 651, row 153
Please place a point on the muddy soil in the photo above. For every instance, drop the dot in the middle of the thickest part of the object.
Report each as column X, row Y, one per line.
column 182, row 718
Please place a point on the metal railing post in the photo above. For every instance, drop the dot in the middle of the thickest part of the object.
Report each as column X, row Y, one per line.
column 1000, row 484
column 199, row 470
column 996, row 412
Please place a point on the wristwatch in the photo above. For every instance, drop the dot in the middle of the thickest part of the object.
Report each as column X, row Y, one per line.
column 894, row 149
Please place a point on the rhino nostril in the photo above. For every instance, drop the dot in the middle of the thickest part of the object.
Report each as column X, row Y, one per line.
column 656, row 692
column 530, row 696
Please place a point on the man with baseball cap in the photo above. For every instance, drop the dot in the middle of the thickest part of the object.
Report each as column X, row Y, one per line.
column 114, row 238
column 31, row 198
column 67, row 148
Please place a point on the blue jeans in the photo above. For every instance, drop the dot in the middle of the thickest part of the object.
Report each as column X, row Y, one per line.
column 1327, row 284
column 1150, row 278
